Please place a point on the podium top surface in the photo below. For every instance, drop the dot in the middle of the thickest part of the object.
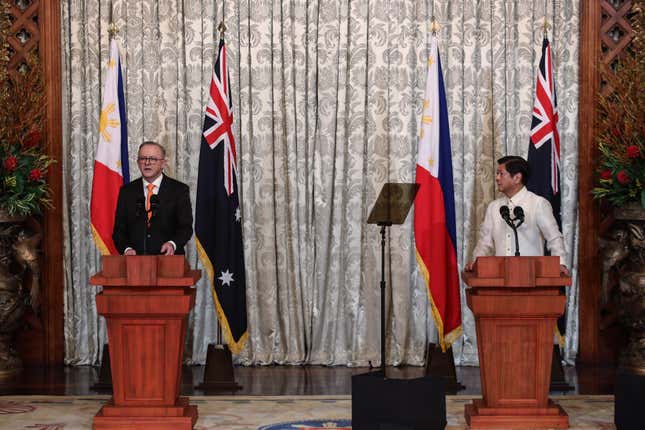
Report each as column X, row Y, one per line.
column 523, row 272
column 393, row 203
column 145, row 271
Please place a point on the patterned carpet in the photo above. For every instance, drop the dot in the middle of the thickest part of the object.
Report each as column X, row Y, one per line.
column 263, row 413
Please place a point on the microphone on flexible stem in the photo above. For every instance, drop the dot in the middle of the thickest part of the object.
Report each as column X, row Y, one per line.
column 506, row 215
column 140, row 212
column 154, row 205
column 518, row 212
column 139, row 207
column 505, row 212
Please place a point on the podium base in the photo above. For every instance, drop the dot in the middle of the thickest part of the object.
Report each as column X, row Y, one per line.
column 479, row 416
column 180, row 417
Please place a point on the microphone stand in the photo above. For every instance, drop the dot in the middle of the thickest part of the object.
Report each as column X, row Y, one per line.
column 511, row 222
column 145, row 232
column 383, row 225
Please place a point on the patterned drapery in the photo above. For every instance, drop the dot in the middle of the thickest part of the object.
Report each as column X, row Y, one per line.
column 327, row 100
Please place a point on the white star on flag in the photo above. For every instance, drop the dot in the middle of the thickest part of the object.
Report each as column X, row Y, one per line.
column 238, row 215
column 226, row 278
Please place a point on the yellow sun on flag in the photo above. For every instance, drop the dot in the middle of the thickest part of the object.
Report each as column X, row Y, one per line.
column 112, row 63
column 105, row 122
column 430, row 61
column 427, row 119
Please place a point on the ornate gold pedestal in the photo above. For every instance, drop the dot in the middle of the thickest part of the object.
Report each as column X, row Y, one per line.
column 624, row 281
column 18, row 253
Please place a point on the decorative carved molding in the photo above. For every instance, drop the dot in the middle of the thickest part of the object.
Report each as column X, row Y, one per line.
column 24, row 32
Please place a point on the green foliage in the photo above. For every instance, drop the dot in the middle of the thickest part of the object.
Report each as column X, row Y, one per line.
column 23, row 164
column 621, row 126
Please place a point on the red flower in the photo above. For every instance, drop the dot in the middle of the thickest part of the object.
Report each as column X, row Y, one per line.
column 35, row 174
column 605, row 174
column 623, row 177
column 31, row 140
column 10, row 163
column 633, row 151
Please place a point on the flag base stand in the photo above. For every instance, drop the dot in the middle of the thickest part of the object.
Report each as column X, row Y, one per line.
column 442, row 365
column 218, row 375
column 105, row 373
column 558, row 383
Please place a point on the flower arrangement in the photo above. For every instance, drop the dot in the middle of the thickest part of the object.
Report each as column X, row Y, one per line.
column 23, row 164
column 621, row 126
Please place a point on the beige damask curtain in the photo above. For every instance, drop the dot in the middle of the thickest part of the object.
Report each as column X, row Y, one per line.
column 327, row 98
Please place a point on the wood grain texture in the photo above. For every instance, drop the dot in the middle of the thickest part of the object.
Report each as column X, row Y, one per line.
column 147, row 324
column 514, row 326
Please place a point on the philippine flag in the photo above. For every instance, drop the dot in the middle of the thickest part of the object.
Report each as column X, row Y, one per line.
column 111, row 168
column 434, row 208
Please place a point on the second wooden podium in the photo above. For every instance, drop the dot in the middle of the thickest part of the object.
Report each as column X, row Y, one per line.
column 146, row 301
column 516, row 302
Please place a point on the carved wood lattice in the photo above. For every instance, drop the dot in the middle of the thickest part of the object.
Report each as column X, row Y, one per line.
column 24, row 34
column 616, row 30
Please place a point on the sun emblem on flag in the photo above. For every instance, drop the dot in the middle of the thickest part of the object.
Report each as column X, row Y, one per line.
column 105, row 121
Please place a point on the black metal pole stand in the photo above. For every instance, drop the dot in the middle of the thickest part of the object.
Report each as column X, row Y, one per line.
column 383, row 297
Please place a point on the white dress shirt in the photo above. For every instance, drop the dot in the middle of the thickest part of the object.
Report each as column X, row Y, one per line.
column 155, row 190
column 497, row 238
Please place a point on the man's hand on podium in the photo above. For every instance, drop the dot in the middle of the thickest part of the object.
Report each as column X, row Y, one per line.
column 167, row 249
column 130, row 251
column 469, row 266
column 564, row 271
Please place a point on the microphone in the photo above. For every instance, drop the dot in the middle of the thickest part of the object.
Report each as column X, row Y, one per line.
column 154, row 204
column 505, row 212
column 139, row 207
column 518, row 212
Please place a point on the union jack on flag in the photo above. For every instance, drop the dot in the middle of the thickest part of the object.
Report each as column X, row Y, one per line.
column 544, row 132
column 219, row 109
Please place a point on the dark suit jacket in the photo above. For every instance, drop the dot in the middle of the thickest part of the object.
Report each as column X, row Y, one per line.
column 173, row 219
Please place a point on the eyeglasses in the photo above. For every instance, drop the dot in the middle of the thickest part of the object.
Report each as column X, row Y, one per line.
column 151, row 160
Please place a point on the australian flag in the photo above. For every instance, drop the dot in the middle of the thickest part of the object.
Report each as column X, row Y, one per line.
column 218, row 221
column 544, row 146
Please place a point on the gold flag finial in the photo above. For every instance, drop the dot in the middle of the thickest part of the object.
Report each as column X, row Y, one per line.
column 113, row 29
column 546, row 26
column 434, row 25
column 222, row 28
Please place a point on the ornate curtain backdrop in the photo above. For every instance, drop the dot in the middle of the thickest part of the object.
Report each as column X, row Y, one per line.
column 327, row 99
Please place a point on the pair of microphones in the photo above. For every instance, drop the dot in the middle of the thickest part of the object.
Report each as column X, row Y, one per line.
column 514, row 223
column 154, row 205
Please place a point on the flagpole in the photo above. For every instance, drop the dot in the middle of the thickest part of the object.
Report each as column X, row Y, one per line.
column 112, row 27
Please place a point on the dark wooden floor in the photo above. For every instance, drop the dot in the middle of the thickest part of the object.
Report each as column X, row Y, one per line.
column 278, row 380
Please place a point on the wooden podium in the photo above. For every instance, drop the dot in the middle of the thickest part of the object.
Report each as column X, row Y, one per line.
column 146, row 301
column 516, row 302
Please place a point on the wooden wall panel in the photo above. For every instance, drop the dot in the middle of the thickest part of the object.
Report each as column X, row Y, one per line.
column 36, row 27
column 605, row 34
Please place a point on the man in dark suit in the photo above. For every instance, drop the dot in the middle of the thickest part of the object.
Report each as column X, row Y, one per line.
column 153, row 213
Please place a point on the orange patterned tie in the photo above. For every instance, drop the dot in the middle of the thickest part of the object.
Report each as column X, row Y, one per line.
column 151, row 187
